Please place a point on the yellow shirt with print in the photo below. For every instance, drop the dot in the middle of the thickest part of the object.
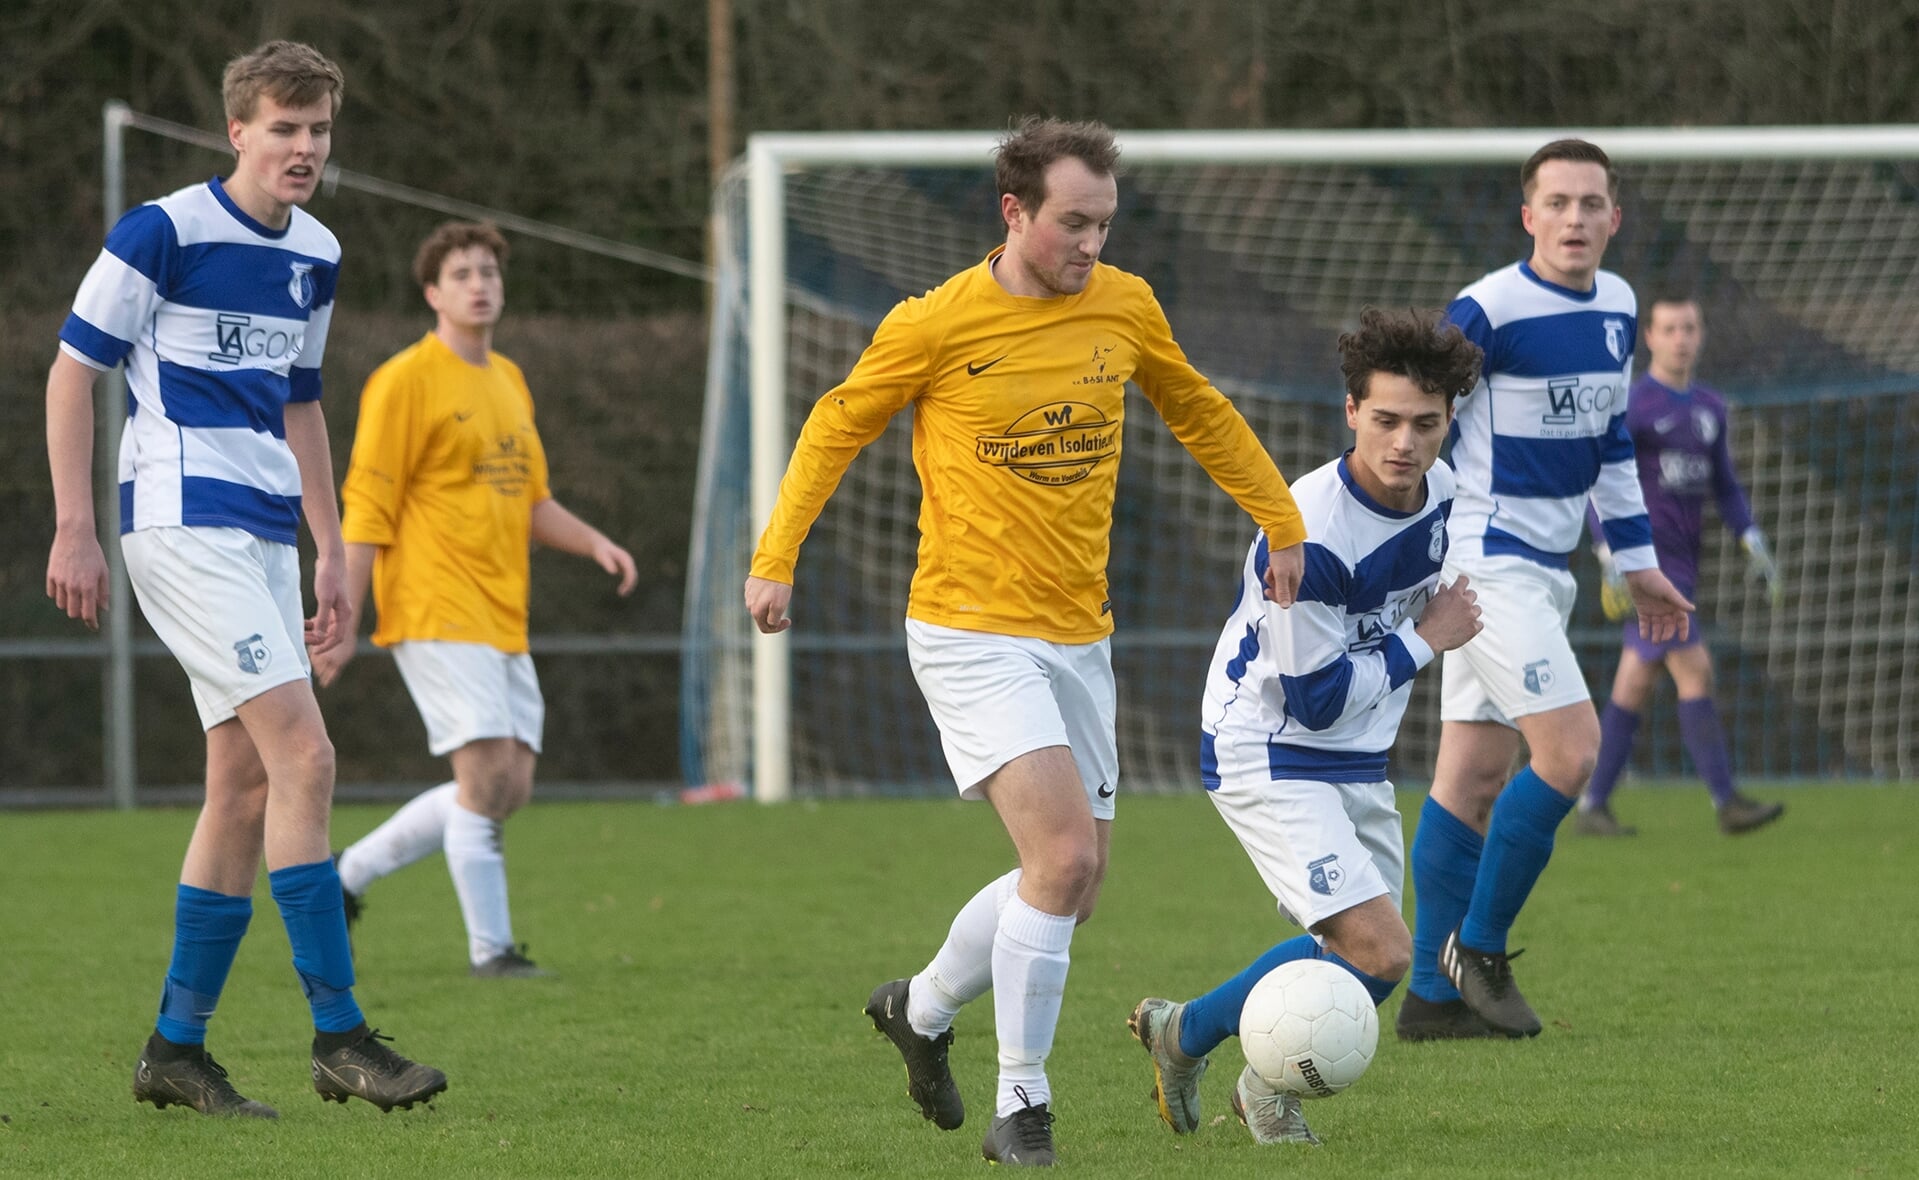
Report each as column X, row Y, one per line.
column 446, row 469
column 1017, row 426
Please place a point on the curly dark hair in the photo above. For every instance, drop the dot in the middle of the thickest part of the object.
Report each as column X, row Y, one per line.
column 1035, row 142
column 449, row 236
column 1420, row 346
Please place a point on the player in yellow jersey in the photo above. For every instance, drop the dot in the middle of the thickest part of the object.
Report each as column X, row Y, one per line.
column 447, row 487
column 1016, row 370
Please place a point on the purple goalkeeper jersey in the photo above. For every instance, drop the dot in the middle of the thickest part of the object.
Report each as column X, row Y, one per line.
column 1680, row 442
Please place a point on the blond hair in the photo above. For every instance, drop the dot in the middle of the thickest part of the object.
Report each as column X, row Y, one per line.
column 288, row 72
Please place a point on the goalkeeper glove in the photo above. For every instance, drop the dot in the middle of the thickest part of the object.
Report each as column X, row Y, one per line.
column 1614, row 598
column 1760, row 567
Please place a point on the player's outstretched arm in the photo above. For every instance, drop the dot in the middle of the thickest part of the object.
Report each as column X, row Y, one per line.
column 1662, row 608
column 76, row 566
column 1284, row 570
column 557, row 528
column 766, row 601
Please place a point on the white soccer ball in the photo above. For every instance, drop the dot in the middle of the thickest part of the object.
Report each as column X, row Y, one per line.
column 1309, row 1028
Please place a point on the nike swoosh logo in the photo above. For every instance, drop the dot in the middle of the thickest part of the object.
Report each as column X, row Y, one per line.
column 1105, row 792
column 973, row 370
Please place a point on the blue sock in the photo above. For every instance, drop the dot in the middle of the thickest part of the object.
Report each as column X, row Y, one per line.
column 1214, row 1016
column 1376, row 987
column 207, row 928
column 1519, row 842
column 315, row 918
column 1445, row 864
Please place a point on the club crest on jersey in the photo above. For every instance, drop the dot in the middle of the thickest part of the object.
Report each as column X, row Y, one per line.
column 1705, row 424
column 300, row 286
column 1616, row 338
column 1436, row 547
column 1325, row 875
column 1539, row 676
column 254, row 655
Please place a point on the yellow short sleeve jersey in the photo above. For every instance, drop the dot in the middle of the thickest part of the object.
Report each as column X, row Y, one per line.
column 1017, row 426
column 446, row 469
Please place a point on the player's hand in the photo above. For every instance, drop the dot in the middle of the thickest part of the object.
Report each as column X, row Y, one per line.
column 1451, row 618
column 1663, row 610
column 1284, row 570
column 617, row 561
column 766, row 601
column 332, row 621
column 1760, row 566
column 327, row 664
column 1615, row 600
column 77, row 576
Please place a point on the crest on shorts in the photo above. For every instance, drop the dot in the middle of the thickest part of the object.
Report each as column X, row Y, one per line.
column 1436, row 548
column 1325, row 875
column 1616, row 338
column 300, row 286
column 254, row 655
column 1539, row 676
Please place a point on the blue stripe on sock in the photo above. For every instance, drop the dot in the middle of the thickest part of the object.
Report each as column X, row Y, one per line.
column 207, row 929
column 1519, row 842
column 1445, row 859
column 315, row 918
column 1213, row 1017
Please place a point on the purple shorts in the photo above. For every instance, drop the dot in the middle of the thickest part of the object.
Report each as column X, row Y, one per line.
column 1654, row 653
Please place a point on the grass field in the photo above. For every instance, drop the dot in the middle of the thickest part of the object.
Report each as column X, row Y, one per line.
column 1714, row 1007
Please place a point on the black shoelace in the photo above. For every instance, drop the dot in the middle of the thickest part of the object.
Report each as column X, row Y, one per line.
column 1032, row 1125
column 370, row 1047
column 1500, row 966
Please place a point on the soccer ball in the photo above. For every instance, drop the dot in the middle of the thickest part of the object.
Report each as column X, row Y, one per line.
column 1309, row 1028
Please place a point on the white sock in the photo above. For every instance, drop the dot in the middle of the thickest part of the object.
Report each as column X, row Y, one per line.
column 1029, row 978
column 478, row 865
column 416, row 830
column 962, row 971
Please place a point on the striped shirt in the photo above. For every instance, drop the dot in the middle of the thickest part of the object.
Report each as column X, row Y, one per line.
column 1545, row 428
column 221, row 322
column 1317, row 691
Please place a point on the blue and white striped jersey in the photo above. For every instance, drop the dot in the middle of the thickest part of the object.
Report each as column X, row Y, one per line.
column 221, row 322
column 1545, row 429
column 1316, row 691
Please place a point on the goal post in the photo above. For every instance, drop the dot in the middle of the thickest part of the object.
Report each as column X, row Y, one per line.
column 1811, row 232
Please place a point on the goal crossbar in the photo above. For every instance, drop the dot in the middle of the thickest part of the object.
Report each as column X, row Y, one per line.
column 769, row 157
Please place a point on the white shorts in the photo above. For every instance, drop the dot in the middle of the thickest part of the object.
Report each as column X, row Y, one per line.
column 1322, row 848
column 995, row 697
column 227, row 605
column 1522, row 663
column 469, row 691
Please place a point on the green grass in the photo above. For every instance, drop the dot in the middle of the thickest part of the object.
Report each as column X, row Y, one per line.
column 1714, row 1006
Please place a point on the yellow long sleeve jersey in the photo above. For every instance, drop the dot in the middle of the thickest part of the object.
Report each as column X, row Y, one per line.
column 1017, row 426
column 446, row 469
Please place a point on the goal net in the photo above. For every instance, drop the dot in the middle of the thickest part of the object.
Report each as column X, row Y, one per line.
column 1800, row 245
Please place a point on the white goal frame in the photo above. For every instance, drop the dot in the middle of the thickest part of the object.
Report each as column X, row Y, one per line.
column 769, row 156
